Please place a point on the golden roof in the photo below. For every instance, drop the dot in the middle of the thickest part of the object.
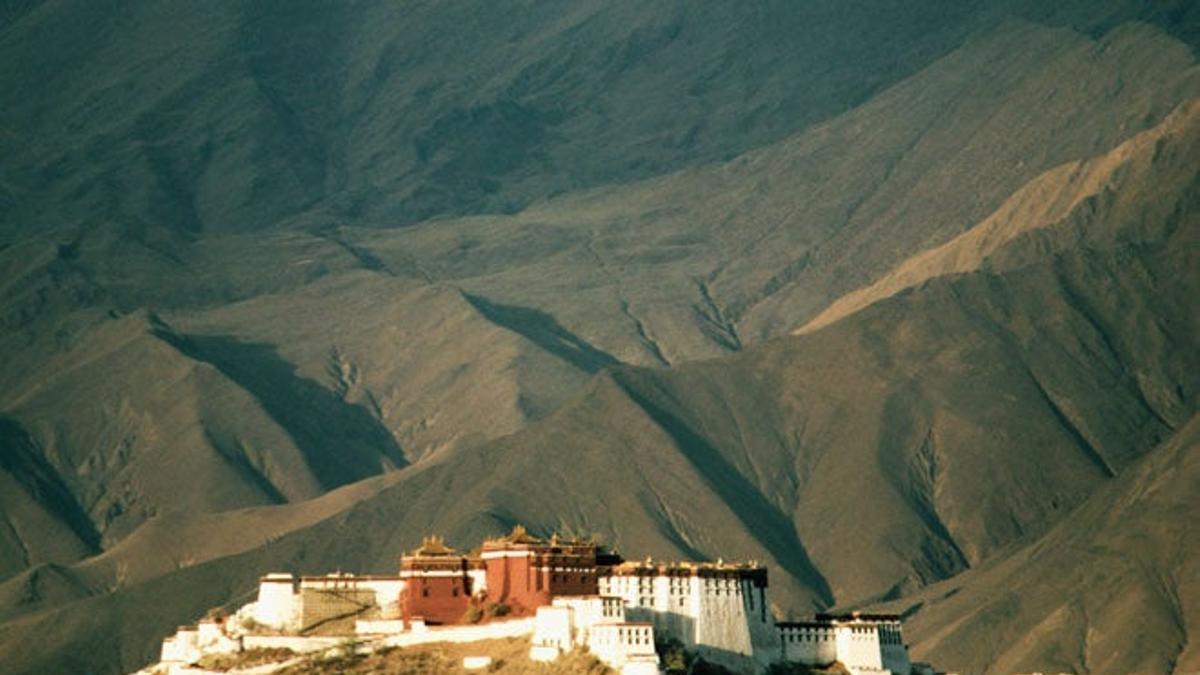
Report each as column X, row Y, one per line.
column 519, row 535
column 433, row 546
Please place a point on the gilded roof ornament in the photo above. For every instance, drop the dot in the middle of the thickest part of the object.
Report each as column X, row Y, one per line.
column 433, row 545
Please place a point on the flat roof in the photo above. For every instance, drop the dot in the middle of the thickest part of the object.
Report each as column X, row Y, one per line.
column 351, row 577
column 857, row 616
column 684, row 567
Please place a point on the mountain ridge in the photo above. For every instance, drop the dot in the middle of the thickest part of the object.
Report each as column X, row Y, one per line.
column 1043, row 203
column 321, row 311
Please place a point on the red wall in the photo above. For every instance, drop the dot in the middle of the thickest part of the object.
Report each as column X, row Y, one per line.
column 519, row 581
column 511, row 581
column 436, row 599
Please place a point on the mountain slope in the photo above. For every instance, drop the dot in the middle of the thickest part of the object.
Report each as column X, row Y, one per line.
column 937, row 431
column 287, row 287
column 137, row 420
column 174, row 119
column 701, row 262
column 138, row 417
column 233, row 117
column 437, row 366
column 396, row 335
column 1112, row 588
column 1137, row 180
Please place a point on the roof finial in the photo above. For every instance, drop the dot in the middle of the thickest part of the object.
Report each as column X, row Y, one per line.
column 433, row 544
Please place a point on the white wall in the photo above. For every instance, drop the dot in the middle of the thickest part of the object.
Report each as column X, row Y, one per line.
column 278, row 604
column 809, row 645
column 895, row 654
column 387, row 595
column 863, row 646
column 727, row 620
column 858, row 647
column 552, row 627
column 590, row 611
column 619, row 643
column 183, row 647
column 487, row 631
column 722, row 622
column 478, row 581
column 378, row 626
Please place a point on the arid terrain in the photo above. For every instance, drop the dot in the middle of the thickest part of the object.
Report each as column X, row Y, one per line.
column 898, row 298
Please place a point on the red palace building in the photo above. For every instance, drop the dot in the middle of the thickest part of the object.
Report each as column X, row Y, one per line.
column 527, row 572
column 439, row 583
column 517, row 570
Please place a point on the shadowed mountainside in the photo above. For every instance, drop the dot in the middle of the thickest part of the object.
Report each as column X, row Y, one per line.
column 287, row 286
column 176, row 119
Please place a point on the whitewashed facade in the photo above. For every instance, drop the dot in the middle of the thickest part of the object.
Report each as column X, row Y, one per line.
column 715, row 609
column 597, row 623
column 865, row 644
column 288, row 603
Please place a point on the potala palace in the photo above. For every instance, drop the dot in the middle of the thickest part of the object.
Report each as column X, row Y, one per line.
column 562, row 595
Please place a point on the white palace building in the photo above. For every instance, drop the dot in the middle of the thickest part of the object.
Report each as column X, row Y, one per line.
column 562, row 595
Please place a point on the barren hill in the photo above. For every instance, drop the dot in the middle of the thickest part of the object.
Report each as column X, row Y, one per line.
column 1111, row 589
column 288, row 287
column 175, row 119
column 951, row 427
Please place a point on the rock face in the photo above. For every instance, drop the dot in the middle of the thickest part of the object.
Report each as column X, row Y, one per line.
column 900, row 302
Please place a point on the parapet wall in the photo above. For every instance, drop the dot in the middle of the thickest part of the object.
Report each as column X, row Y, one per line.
column 487, row 631
column 292, row 604
column 807, row 643
column 862, row 644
